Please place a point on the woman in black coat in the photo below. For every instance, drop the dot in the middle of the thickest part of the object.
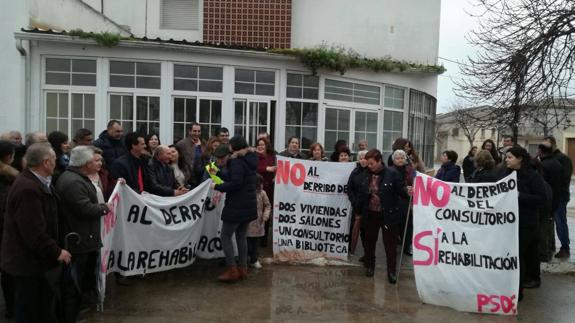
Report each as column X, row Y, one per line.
column 532, row 196
column 485, row 171
column 240, row 207
column 468, row 165
column 383, row 189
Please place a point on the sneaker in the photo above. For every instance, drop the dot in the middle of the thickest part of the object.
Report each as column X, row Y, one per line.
column 563, row 253
column 257, row 265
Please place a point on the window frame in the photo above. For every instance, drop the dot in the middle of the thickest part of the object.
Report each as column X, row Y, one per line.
column 135, row 88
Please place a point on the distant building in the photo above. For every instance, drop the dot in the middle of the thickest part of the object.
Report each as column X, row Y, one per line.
column 449, row 134
column 202, row 60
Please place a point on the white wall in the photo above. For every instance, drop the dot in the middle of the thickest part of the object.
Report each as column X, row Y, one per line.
column 13, row 16
column 67, row 15
column 405, row 30
column 143, row 17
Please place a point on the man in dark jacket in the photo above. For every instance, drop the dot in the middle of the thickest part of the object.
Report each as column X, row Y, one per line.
column 562, row 197
column 110, row 141
column 552, row 174
column 161, row 179
column 132, row 167
column 81, row 208
column 30, row 250
column 191, row 149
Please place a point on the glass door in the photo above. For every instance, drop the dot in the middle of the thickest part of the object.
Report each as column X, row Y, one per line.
column 351, row 125
column 251, row 118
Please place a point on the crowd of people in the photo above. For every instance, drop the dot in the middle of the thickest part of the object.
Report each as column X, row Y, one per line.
column 53, row 191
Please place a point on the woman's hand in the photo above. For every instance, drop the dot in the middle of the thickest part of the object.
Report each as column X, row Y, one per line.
column 271, row 169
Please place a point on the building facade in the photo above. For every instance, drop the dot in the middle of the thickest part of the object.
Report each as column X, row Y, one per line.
column 162, row 75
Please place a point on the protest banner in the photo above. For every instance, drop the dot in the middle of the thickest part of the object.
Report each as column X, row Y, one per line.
column 466, row 244
column 148, row 233
column 311, row 210
column 210, row 244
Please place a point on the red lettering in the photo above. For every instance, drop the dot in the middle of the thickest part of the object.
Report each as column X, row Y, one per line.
column 496, row 303
column 429, row 192
column 110, row 217
column 433, row 253
column 286, row 172
column 104, row 261
column 297, row 179
column 282, row 172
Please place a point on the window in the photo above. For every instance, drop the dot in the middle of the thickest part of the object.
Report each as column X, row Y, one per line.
column 136, row 113
column 301, row 121
column 135, row 75
column 250, row 119
column 69, row 112
column 351, row 92
column 392, row 129
column 208, row 113
column 254, row 82
column 198, row 78
column 393, row 97
column 337, row 126
column 179, row 14
column 421, row 126
column 302, row 86
column 455, row 132
column 365, row 127
column 65, row 71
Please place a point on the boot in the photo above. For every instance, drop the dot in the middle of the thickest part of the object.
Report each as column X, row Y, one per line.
column 243, row 271
column 230, row 275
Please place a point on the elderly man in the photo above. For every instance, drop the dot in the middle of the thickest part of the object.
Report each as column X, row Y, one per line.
column 82, row 205
column 110, row 141
column 161, row 179
column 30, row 251
column 191, row 149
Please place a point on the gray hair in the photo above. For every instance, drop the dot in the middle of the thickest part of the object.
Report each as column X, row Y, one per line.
column 34, row 137
column 81, row 155
column 38, row 153
column 399, row 152
column 361, row 153
column 160, row 149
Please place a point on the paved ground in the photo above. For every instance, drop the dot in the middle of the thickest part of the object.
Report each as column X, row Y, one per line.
column 282, row 293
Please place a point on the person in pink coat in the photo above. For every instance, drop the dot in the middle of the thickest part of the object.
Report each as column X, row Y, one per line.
column 256, row 228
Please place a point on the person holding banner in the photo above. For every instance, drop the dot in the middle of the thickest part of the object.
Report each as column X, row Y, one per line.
column 240, row 207
column 407, row 173
column 161, row 179
column 267, row 169
column 292, row 150
column 449, row 172
column 385, row 189
column 531, row 196
column 82, row 205
column 317, row 152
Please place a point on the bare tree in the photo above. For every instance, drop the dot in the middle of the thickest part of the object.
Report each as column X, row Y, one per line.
column 472, row 120
column 526, row 54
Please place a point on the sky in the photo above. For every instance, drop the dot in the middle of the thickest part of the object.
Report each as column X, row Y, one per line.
column 456, row 23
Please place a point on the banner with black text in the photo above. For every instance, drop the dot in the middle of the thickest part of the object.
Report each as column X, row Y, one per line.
column 466, row 244
column 312, row 212
column 148, row 233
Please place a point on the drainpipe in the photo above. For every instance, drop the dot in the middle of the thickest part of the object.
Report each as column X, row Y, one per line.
column 27, row 71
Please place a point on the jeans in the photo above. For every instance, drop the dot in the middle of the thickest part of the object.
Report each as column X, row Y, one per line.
column 561, row 224
column 240, row 229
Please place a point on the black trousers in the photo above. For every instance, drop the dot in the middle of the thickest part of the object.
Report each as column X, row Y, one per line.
column 74, row 295
column 253, row 249
column 7, row 282
column 530, row 266
column 34, row 300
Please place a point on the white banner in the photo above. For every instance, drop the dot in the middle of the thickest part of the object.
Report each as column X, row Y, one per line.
column 311, row 210
column 210, row 245
column 466, row 244
column 148, row 233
